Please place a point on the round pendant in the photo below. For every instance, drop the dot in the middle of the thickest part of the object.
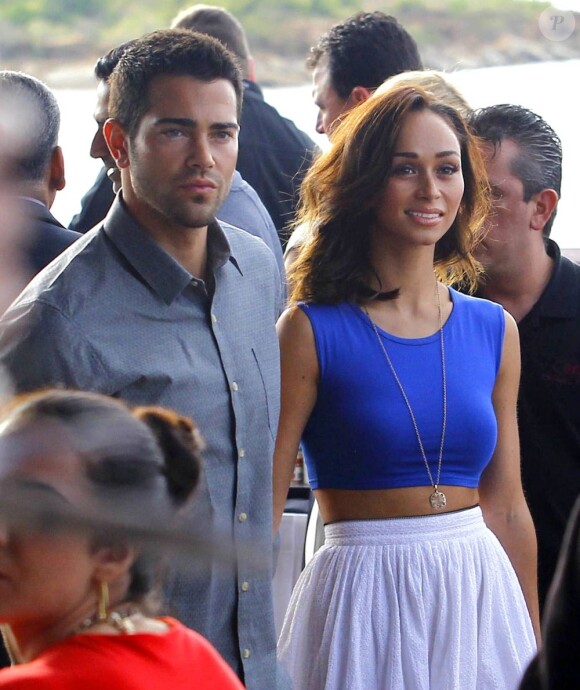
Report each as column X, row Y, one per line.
column 438, row 500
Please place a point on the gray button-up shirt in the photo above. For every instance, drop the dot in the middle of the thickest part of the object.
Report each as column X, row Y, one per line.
column 116, row 314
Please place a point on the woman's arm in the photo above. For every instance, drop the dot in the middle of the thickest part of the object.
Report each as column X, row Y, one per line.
column 501, row 495
column 299, row 369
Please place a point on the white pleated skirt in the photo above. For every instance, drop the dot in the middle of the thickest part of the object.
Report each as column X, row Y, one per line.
column 420, row 603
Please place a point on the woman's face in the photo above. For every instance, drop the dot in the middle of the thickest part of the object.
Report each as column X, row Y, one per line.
column 47, row 573
column 425, row 185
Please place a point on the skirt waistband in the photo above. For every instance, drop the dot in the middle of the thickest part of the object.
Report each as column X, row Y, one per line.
column 414, row 529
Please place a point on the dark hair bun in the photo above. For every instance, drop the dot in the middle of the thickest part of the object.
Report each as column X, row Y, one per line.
column 181, row 446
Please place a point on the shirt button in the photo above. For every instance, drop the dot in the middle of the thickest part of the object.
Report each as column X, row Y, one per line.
column 242, row 453
column 245, row 586
column 246, row 653
column 242, row 517
column 195, row 283
column 234, row 386
column 213, row 318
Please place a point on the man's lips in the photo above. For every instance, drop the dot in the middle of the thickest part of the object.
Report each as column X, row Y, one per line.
column 198, row 185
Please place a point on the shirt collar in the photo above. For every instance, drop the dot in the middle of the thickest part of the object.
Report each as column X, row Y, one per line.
column 34, row 201
column 252, row 87
column 561, row 294
column 157, row 268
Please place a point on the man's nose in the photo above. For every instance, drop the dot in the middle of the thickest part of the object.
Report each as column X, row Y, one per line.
column 200, row 154
column 99, row 148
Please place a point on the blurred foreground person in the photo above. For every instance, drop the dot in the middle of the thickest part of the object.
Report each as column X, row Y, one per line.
column 427, row 579
column 76, row 600
column 37, row 169
column 556, row 665
column 13, row 234
column 13, row 231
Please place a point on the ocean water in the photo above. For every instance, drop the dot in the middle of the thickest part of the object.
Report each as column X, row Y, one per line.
column 548, row 88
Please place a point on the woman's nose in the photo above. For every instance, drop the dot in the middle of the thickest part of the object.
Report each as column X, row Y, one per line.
column 429, row 188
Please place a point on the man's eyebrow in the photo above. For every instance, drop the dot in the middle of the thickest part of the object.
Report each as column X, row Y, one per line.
column 412, row 154
column 179, row 121
column 191, row 124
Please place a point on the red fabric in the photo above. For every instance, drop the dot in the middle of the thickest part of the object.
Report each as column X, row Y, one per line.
column 179, row 660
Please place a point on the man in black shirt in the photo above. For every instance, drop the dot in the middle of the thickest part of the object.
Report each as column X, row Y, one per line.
column 525, row 272
column 273, row 153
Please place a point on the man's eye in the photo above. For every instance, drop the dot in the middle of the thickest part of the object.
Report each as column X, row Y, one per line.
column 173, row 133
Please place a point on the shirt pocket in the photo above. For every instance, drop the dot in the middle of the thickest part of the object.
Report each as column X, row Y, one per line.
column 269, row 371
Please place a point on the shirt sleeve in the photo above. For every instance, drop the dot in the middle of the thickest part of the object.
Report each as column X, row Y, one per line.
column 40, row 347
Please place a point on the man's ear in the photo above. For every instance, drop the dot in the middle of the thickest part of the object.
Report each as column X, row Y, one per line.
column 544, row 204
column 56, row 176
column 251, row 68
column 117, row 141
column 358, row 95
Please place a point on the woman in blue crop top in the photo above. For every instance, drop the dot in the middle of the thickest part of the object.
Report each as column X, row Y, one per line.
column 403, row 394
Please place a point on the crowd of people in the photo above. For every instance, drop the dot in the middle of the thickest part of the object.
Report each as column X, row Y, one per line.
column 163, row 362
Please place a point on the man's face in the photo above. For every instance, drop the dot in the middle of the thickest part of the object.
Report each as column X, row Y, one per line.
column 330, row 105
column 99, row 148
column 177, row 168
column 508, row 225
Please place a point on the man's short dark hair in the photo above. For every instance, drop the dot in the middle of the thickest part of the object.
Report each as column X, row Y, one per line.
column 219, row 23
column 107, row 63
column 169, row 52
column 539, row 162
column 364, row 50
column 40, row 117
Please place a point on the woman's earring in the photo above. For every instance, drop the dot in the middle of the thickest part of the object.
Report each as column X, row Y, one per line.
column 103, row 601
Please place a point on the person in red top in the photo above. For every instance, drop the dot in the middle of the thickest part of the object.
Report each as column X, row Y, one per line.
column 82, row 480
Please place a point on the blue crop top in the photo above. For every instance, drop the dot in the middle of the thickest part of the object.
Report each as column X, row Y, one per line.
column 360, row 435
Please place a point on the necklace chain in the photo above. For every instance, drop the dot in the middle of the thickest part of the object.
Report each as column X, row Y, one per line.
column 437, row 499
column 122, row 619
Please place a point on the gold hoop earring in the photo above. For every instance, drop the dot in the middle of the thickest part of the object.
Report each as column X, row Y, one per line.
column 10, row 645
column 103, row 605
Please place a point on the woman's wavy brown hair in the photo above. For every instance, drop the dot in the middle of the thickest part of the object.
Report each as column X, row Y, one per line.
column 338, row 192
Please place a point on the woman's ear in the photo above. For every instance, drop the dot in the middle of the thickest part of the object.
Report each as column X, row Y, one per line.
column 112, row 561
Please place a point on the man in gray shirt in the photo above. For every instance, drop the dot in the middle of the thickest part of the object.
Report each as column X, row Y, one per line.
column 163, row 304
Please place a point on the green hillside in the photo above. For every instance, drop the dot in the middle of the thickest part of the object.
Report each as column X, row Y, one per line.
column 454, row 33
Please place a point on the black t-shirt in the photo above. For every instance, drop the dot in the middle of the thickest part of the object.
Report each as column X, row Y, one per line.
column 549, row 409
column 273, row 156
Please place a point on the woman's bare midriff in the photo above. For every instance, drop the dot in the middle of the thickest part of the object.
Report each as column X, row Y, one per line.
column 376, row 504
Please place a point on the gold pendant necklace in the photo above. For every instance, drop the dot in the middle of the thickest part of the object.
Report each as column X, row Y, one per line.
column 437, row 499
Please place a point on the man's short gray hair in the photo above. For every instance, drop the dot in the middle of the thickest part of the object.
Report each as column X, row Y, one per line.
column 35, row 115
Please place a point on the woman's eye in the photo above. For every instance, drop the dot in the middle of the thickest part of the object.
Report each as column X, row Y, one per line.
column 403, row 170
column 448, row 169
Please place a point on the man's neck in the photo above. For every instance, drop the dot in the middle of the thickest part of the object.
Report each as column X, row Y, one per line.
column 188, row 246
column 519, row 289
column 188, row 249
